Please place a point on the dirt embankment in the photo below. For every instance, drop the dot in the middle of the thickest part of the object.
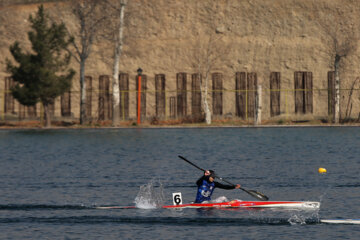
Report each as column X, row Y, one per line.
column 261, row 36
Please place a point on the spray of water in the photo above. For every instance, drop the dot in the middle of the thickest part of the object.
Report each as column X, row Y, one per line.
column 302, row 217
column 297, row 219
column 150, row 195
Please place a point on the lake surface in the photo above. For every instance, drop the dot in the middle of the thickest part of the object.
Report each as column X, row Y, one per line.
column 52, row 180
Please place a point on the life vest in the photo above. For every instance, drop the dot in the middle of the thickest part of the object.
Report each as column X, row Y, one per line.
column 205, row 191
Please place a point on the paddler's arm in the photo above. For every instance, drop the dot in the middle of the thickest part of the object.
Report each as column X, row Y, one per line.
column 228, row 187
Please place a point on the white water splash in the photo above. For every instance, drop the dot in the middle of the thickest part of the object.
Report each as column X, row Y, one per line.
column 297, row 219
column 303, row 216
column 150, row 195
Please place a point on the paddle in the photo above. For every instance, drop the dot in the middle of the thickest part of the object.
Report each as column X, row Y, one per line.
column 253, row 193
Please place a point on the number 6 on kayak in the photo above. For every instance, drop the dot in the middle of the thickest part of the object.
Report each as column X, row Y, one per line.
column 177, row 199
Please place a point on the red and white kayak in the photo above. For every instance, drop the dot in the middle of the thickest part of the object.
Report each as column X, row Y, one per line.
column 252, row 204
column 305, row 205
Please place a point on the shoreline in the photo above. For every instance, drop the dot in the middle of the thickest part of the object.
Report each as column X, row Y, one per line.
column 77, row 127
column 175, row 124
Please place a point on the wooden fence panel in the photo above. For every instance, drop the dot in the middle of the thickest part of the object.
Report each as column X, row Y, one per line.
column 299, row 92
column 31, row 111
column 303, row 92
column 308, row 93
column 181, row 94
column 172, row 107
column 27, row 112
column 251, row 87
column 66, row 104
column 124, row 95
column 240, row 94
column 275, row 86
column 160, row 95
column 9, row 104
column 22, row 111
column 105, row 103
column 331, row 93
column 88, row 108
column 196, row 96
column 217, row 87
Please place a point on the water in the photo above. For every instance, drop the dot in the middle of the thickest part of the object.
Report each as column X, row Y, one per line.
column 51, row 180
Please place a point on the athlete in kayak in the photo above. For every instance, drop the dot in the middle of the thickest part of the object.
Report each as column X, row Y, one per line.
column 206, row 186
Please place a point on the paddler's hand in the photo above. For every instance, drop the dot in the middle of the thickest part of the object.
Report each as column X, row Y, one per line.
column 237, row 186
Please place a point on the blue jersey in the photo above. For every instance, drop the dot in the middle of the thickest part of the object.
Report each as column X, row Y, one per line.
column 205, row 191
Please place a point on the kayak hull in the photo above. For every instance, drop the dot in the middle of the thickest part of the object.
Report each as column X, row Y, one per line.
column 251, row 204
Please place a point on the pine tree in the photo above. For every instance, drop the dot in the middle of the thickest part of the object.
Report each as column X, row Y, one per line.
column 42, row 74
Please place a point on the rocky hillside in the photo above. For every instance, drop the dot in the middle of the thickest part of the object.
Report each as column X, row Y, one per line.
column 261, row 36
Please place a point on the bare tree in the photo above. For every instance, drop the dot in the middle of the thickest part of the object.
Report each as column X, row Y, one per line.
column 342, row 41
column 207, row 52
column 118, row 40
column 90, row 19
column 203, row 71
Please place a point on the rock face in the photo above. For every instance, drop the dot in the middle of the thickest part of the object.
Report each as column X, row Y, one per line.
column 253, row 36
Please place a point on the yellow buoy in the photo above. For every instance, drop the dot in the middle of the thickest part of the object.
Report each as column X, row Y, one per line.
column 322, row 170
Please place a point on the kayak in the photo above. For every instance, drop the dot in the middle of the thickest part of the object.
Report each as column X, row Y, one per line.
column 251, row 204
column 305, row 205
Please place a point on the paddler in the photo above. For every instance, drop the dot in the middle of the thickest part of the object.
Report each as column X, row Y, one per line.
column 206, row 186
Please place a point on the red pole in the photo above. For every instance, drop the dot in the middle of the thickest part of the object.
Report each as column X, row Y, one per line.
column 139, row 100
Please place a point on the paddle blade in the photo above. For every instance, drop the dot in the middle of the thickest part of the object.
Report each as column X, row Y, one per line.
column 256, row 194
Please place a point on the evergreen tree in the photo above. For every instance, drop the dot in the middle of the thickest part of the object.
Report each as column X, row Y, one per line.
column 43, row 74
